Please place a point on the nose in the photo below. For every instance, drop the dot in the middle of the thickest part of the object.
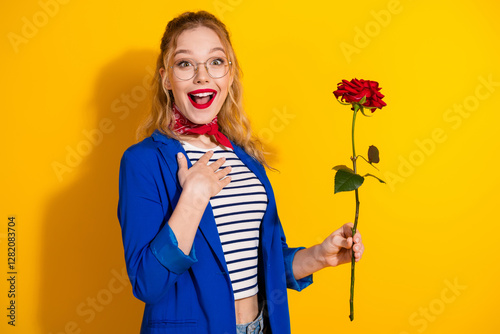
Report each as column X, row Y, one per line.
column 201, row 75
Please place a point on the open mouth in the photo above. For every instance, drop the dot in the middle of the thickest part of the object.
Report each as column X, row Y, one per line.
column 202, row 98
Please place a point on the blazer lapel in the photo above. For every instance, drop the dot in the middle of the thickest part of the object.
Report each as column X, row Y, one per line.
column 207, row 225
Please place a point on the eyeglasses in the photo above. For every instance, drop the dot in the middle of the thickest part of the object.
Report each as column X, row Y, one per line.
column 185, row 69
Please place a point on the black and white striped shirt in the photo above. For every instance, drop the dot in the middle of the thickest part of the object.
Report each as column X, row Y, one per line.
column 238, row 209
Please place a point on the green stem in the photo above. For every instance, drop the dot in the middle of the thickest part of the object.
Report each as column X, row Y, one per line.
column 353, row 260
column 356, row 108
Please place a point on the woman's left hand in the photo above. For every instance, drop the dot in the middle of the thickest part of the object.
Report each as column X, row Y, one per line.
column 336, row 248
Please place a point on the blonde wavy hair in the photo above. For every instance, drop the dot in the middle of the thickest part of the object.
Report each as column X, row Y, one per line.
column 232, row 119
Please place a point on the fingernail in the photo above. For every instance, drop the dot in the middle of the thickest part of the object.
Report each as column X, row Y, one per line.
column 180, row 155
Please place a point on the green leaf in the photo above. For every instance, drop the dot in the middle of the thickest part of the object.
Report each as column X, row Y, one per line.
column 363, row 100
column 373, row 155
column 381, row 181
column 344, row 167
column 346, row 180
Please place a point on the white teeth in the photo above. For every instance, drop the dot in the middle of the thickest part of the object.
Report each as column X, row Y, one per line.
column 202, row 94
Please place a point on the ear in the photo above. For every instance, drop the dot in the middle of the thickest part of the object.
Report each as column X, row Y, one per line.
column 164, row 79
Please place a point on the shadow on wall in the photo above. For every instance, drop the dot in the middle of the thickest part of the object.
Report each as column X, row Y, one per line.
column 84, row 286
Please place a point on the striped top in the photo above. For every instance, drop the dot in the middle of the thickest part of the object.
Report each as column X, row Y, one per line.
column 238, row 210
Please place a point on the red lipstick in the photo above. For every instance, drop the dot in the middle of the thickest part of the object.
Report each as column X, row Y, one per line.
column 202, row 98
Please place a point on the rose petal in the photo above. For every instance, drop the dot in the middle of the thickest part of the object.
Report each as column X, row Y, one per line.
column 355, row 90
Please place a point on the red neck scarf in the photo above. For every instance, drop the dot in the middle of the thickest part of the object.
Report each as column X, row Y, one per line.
column 185, row 126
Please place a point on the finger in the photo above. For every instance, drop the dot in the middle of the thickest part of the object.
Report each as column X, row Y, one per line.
column 358, row 251
column 358, row 255
column 362, row 251
column 224, row 172
column 347, row 229
column 205, row 158
column 357, row 237
column 224, row 182
column 340, row 231
column 341, row 242
column 217, row 164
column 181, row 160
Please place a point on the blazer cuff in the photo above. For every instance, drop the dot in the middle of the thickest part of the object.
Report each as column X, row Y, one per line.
column 291, row 282
column 165, row 248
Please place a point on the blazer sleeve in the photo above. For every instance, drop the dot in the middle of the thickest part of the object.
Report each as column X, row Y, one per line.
column 153, row 259
column 288, row 255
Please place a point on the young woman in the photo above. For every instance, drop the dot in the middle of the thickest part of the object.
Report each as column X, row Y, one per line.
column 204, row 247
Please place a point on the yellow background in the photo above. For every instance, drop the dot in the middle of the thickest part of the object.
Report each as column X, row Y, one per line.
column 82, row 67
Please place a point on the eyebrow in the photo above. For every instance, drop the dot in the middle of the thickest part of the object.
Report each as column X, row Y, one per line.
column 218, row 48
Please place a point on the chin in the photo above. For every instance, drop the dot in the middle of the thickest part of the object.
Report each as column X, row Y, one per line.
column 204, row 116
column 201, row 117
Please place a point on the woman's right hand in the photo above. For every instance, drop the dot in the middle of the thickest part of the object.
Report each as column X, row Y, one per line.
column 203, row 179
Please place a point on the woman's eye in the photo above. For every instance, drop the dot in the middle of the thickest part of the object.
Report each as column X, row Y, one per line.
column 183, row 64
column 217, row 62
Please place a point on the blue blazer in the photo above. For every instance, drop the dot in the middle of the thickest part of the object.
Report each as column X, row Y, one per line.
column 192, row 294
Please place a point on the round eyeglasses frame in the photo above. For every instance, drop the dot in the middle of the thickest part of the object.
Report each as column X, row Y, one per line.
column 228, row 64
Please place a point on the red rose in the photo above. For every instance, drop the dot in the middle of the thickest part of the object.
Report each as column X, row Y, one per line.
column 354, row 90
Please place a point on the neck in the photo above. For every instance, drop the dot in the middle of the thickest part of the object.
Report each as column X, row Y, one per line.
column 203, row 141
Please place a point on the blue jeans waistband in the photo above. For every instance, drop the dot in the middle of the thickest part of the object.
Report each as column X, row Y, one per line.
column 254, row 327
